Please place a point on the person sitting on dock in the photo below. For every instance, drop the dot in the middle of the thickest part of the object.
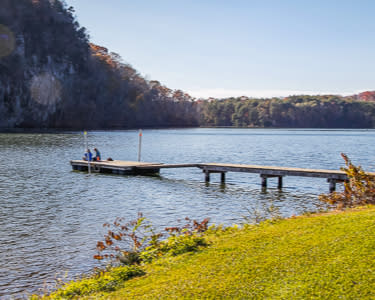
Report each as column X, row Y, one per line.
column 97, row 156
column 88, row 155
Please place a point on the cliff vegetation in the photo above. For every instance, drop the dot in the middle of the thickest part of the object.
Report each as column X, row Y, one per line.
column 51, row 76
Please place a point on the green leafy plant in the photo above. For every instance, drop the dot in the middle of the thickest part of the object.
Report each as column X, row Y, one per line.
column 104, row 281
column 359, row 189
column 124, row 241
column 136, row 241
column 181, row 239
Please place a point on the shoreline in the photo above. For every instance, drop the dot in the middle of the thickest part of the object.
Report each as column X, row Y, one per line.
column 301, row 252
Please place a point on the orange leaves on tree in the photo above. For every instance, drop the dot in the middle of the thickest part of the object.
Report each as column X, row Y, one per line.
column 100, row 246
column 359, row 189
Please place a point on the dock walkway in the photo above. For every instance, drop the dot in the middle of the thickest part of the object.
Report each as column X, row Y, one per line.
column 265, row 172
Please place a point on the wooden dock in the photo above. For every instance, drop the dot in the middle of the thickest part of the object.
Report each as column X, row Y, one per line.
column 116, row 167
column 265, row 172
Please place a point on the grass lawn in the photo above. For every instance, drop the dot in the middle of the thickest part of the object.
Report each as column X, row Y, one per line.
column 327, row 256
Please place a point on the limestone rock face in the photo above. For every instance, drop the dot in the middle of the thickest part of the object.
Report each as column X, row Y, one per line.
column 52, row 77
column 39, row 45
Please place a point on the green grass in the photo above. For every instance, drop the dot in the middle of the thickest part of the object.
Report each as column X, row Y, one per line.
column 326, row 256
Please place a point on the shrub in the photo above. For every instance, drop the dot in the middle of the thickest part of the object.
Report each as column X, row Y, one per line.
column 105, row 281
column 124, row 241
column 174, row 245
column 136, row 241
column 359, row 189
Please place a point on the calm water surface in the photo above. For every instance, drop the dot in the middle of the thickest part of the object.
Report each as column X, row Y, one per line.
column 52, row 217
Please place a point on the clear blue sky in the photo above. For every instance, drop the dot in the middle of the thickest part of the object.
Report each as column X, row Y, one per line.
column 254, row 47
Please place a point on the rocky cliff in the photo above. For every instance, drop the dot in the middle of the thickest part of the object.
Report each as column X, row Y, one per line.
column 52, row 77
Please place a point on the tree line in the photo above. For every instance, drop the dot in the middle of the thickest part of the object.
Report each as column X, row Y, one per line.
column 327, row 111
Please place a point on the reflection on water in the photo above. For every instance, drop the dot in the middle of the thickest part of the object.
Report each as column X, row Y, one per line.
column 51, row 217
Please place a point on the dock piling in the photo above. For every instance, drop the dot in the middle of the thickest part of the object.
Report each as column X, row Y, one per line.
column 265, row 177
column 207, row 176
column 264, row 180
column 222, row 177
column 332, row 185
column 280, row 183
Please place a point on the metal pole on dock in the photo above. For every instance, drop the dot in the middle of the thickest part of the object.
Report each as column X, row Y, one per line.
column 87, row 147
column 140, row 145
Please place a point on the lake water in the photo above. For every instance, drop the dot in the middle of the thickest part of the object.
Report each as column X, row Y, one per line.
column 51, row 217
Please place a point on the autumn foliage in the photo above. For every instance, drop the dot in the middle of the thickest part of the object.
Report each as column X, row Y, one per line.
column 367, row 96
column 359, row 188
column 136, row 241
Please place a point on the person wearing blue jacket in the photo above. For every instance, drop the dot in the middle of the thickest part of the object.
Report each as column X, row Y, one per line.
column 97, row 156
column 88, row 155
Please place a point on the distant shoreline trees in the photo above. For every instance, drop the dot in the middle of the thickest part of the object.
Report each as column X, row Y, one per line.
column 327, row 111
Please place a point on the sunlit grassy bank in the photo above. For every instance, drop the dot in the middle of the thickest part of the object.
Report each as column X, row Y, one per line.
column 323, row 256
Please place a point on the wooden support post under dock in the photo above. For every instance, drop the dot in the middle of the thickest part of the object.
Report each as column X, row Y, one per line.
column 332, row 185
column 280, row 183
column 265, row 177
column 264, row 181
column 222, row 177
column 207, row 176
